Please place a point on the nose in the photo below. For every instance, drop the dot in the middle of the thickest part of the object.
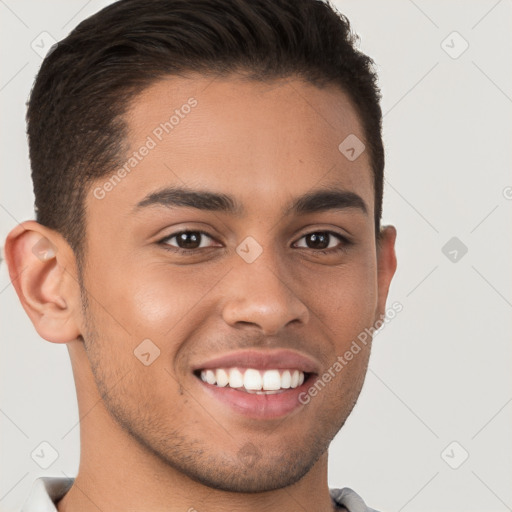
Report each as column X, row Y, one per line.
column 258, row 294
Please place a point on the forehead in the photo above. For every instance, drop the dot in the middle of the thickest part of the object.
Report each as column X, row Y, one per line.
column 259, row 141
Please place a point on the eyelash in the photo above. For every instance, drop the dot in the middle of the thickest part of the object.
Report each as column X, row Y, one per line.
column 345, row 242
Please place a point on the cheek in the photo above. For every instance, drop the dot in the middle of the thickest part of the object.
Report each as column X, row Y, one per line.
column 344, row 298
column 150, row 298
column 163, row 299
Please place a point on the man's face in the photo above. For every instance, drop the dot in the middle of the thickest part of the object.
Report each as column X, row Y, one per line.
column 265, row 287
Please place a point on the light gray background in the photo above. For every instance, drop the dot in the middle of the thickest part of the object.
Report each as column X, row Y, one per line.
column 440, row 371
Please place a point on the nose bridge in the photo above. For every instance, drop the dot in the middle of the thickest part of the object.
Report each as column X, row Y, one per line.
column 259, row 291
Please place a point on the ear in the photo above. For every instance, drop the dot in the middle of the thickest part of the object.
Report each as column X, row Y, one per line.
column 42, row 269
column 386, row 266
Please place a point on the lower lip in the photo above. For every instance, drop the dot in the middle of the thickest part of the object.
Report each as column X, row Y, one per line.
column 258, row 406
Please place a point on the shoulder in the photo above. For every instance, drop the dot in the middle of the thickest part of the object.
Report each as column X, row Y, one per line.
column 348, row 499
column 45, row 492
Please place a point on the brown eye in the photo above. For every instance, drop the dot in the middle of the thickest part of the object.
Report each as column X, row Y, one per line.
column 323, row 240
column 318, row 240
column 187, row 240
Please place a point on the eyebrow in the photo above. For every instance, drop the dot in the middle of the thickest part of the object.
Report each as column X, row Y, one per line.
column 316, row 201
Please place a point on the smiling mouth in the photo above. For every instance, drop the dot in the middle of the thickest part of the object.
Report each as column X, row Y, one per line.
column 251, row 380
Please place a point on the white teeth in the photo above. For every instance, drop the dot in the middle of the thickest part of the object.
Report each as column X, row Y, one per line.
column 210, row 377
column 271, row 380
column 236, row 379
column 286, row 379
column 222, row 378
column 254, row 381
column 295, row 379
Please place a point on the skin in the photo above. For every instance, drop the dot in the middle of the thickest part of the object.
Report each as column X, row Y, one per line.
column 151, row 438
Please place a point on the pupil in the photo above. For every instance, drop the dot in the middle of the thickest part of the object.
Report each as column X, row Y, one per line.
column 318, row 240
column 189, row 240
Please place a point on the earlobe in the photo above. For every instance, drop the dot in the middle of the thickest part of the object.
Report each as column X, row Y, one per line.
column 42, row 270
column 386, row 266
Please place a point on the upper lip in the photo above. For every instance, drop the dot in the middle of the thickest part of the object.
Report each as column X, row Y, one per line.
column 262, row 360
